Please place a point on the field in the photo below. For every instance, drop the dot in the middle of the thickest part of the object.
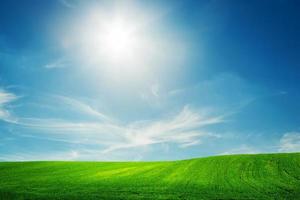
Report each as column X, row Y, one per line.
column 262, row 176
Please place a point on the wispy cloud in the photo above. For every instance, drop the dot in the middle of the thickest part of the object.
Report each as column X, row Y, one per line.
column 243, row 149
column 183, row 128
column 82, row 107
column 154, row 95
column 155, row 89
column 290, row 142
column 5, row 99
column 32, row 156
column 68, row 3
column 59, row 63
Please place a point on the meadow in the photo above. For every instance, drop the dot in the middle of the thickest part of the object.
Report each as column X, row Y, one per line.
column 261, row 176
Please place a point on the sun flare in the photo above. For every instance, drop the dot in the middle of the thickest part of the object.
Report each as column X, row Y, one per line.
column 113, row 40
column 119, row 40
column 122, row 45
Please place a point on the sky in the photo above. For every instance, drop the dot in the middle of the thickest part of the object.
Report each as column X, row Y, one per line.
column 148, row 80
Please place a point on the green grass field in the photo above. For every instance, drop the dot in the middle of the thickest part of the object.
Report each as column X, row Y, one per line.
column 262, row 176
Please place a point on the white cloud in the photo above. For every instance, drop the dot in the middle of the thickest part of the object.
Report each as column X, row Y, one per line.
column 60, row 63
column 82, row 107
column 290, row 142
column 68, row 3
column 45, row 156
column 5, row 99
column 155, row 90
column 154, row 95
column 243, row 149
column 183, row 128
column 192, row 143
column 73, row 154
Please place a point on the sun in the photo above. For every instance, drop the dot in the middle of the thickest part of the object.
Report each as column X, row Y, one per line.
column 122, row 44
column 114, row 41
column 119, row 41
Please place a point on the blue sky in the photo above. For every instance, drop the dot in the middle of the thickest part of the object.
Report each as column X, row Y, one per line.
column 148, row 80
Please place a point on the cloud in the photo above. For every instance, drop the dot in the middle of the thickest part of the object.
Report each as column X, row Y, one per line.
column 153, row 95
column 243, row 149
column 290, row 142
column 192, row 143
column 183, row 128
column 155, row 90
column 82, row 107
column 5, row 99
column 44, row 156
column 60, row 63
column 68, row 3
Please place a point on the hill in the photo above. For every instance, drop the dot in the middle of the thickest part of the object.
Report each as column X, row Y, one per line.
column 261, row 176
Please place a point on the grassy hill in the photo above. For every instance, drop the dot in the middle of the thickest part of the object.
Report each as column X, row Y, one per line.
column 263, row 176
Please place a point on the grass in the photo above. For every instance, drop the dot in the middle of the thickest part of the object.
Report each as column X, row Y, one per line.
column 262, row 176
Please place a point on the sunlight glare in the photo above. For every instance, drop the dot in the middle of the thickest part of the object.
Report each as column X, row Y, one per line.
column 119, row 41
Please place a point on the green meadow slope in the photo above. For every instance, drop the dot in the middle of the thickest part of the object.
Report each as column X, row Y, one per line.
column 262, row 176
